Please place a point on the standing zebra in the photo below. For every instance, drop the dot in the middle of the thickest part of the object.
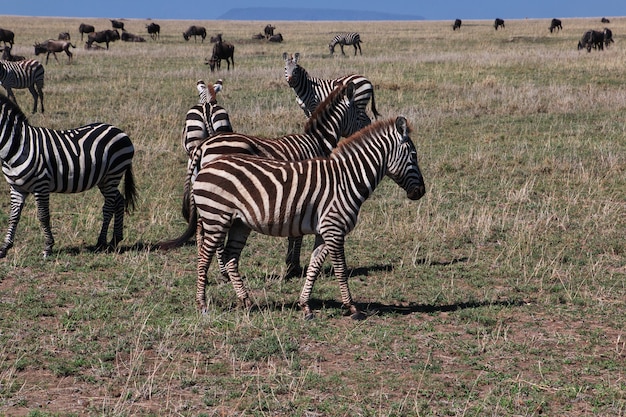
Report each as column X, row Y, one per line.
column 311, row 91
column 42, row 161
column 23, row 74
column 335, row 117
column 342, row 39
column 236, row 194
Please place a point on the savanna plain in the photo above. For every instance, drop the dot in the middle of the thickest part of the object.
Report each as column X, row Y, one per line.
column 500, row 293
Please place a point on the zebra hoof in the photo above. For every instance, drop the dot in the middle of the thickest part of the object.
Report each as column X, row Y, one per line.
column 310, row 316
column 358, row 316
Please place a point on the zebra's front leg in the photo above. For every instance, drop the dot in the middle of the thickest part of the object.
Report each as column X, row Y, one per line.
column 338, row 260
column 17, row 203
column 43, row 213
column 315, row 265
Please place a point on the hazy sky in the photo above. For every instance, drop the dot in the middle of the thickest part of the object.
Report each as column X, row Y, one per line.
column 431, row 10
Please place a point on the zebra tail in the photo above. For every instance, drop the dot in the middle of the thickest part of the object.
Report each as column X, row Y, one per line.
column 376, row 114
column 130, row 190
column 184, row 238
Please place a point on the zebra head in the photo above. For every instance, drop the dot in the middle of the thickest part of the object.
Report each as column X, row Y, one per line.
column 402, row 165
column 293, row 72
column 207, row 94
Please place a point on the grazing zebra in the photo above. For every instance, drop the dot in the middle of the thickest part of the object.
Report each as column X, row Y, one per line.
column 311, row 91
column 342, row 39
column 335, row 117
column 23, row 74
column 235, row 194
column 42, row 161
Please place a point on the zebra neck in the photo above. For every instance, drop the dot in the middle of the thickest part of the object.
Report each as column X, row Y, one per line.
column 360, row 171
column 12, row 140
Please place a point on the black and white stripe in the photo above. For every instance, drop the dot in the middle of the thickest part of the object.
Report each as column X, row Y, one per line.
column 332, row 119
column 236, row 194
column 351, row 38
column 311, row 91
column 40, row 161
column 23, row 74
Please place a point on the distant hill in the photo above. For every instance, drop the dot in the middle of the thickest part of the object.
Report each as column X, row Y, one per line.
column 284, row 13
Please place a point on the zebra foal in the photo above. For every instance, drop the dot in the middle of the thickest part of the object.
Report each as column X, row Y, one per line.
column 310, row 91
column 42, row 161
column 236, row 194
column 342, row 39
column 23, row 74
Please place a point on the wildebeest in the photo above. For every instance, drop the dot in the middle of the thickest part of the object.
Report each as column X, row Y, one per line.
column 131, row 37
column 195, row 31
column 154, row 30
column 258, row 36
column 116, row 24
column 106, row 36
column 7, row 36
column 216, row 38
column 222, row 50
column 608, row 37
column 592, row 39
column 605, row 20
column 52, row 47
column 498, row 23
column 64, row 36
column 84, row 28
column 276, row 38
column 457, row 24
column 555, row 24
column 269, row 31
column 7, row 56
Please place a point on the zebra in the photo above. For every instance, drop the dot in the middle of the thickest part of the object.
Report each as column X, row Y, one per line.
column 23, row 74
column 41, row 161
column 342, row 39
column 334, row 118
column 236, row 194
column 311, row 91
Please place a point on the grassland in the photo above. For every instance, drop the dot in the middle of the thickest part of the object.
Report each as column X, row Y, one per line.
column 501, row 292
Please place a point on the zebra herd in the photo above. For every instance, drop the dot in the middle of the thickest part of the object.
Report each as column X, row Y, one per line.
column 299, row 184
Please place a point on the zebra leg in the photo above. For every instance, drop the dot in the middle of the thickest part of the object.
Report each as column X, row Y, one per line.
column 112, row 200
column 37, row 95
column 237, row 237
column 338, row 260
column 315, row 265
column 207, row 244
column 43, row 213
column 292, row 259
column 221, row 263
column 17, row 203
column 118, row 221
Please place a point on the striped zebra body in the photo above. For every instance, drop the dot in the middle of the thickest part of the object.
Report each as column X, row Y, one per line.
column 40, row 161
column 311, row 91
column 332, row 119
column 342, row 39
column 23, row 74
column 236, row 194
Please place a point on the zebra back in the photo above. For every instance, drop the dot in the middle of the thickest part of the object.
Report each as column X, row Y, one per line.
column 21, row 74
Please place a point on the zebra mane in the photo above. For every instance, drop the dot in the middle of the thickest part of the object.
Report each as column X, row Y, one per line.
column 356, row 137
column 323, row 106
column 14, row 108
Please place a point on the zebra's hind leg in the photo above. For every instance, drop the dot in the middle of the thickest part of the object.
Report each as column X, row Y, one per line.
column 17, row 203
column 118, row 222
column 292, row 259
column 36, row 91
column 207, row 244
column 43, row 213
column 113, row 202
column 315, row 265
column 237, row 237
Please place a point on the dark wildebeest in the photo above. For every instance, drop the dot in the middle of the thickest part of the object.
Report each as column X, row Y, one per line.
column 275, row 38
column 269, row 31
column 605, row 20
column 608, row 37
column 555, row 24
column 7, row 36
column 117, row 24
column 154, row 30
column 222, row 50
column 457, row 24
column 105, row 36
column 216, row 38
column 498, row 23
column 195, row 31
column 52, row 47
column 7, row 56
column 84, row 28
column 64, row 36
column 131, row 37
column 258, row 36
column 592, row 39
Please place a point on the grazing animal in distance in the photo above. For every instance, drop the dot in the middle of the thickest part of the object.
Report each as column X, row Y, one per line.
column 154, row 30
column 258, row 36
column 131, row 37
column 237, row 194
column 592, row 39
column 310, row 91
column 28, row 73
column 52, row 46
column 498, row 23
column 85, row 28
column 269, row 31
column 222, row 50
column 605, row 20
column 117, row 24
column 457, row 24
column 342, row 39
column 64, row 36
column 608, row 37
column 7, row 56
column 555, row 24
column 194, row 31
column 106, row 36
column 40, row 161
column 7, row 36
column 278, row 38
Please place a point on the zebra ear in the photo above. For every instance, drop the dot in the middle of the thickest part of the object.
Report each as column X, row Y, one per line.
column 296, row 56
column 402, row 126
column 350, row 90
column 285, row 56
